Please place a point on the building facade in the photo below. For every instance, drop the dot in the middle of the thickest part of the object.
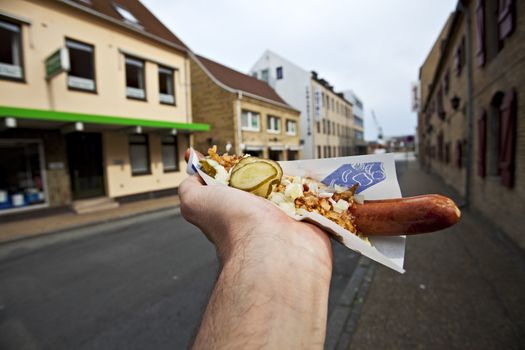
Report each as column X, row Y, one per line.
column 358, row 111
column 333, row 131
column 245, row 114
column 472, row 120
column 307, row 93
column 95, row 102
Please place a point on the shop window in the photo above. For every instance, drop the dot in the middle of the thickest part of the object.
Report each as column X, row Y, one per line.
column 273, row 124
column 21, row 175
column 10, row 51
column 250, row 121
column 139, row 154
column 170, row 154
column 81, row 75
column 279, row 72
column 135, row 80
column 166, row 86
column 291, row 127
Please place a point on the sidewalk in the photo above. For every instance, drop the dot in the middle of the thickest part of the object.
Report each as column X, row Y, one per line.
column 464, row 288
column 20, row 229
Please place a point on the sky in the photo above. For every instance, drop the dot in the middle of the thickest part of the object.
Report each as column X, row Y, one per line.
column 373, row 47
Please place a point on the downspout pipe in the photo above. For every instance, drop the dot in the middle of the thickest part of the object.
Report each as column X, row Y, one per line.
column 239, row 145
column 463, row 6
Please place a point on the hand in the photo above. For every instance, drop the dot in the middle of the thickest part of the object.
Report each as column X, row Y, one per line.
column 272, row 290
column 231, row 218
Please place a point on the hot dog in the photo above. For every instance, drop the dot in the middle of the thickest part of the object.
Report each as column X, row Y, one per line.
column 410, row 215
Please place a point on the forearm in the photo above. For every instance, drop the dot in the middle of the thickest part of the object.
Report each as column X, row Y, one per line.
column 276, row 298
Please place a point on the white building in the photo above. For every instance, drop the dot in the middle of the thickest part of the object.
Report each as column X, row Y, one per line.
column 292, row 83
column 327, row 121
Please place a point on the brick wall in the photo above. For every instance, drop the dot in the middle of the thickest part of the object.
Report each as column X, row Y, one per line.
column 503, row 70
column 213, row 105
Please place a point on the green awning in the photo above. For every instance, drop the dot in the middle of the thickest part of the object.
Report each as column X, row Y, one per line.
column 70, row 117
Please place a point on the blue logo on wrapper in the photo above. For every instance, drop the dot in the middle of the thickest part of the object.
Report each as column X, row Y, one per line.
column 364, row 174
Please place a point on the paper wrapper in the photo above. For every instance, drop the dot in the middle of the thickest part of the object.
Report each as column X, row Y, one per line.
column 376, row 176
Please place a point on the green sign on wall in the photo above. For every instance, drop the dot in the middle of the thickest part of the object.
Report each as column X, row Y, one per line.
column 57, row 63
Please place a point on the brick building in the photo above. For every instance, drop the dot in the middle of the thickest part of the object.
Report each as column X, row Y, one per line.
column 472, row 122
column 245, row 114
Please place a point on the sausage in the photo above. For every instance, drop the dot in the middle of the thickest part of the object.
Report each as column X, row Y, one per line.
column 410, row 215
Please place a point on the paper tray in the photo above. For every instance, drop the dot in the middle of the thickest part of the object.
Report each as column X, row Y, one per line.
column 376, row 176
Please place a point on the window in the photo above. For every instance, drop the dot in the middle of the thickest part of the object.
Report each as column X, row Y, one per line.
column 135, row 85
column 126, row 15
column 170, row 154
column 274, row 124
column 291, row 127
column 319, row 155
column 81, row 75
column 250, row 121
column 139, row 154
column 279, row 72
column 264, row 75
column 10, row 51
column 318, row 126
column 166, row 86
column 328, row 127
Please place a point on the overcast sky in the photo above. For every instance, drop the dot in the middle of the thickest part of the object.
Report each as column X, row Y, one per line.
column 374, row 47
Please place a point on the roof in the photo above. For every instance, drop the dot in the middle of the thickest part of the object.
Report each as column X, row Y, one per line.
column 147, row 22
column 241, row 82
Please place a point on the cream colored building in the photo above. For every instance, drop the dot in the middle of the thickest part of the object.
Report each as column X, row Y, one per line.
column 245, row 114
column 333, row 131
column 95, row 102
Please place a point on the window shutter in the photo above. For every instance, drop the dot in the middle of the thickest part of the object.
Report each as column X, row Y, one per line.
column 480, row 26
column 482, row 143
column 459, row 153
column 506, row 18
column 508, row 112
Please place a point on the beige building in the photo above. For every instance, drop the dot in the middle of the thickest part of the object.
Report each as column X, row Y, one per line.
column 245, row 114
column 95, row 102
column 334, row 130
column 472, row 121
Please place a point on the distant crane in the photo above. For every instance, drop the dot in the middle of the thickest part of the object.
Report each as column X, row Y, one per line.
column 379, row 128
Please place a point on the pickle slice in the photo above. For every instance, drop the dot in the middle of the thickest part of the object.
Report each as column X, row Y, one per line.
column 252, row 175
column 265, row 189
column 207, row 168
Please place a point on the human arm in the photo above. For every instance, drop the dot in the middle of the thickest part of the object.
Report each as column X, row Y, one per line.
column 272, row 290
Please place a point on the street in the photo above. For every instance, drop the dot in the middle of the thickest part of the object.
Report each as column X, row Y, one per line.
column 144, row 286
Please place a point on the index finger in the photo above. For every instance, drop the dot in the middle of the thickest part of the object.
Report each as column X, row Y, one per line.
column 187, row 155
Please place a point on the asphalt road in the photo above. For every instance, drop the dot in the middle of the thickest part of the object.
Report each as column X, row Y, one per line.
column 143, row 286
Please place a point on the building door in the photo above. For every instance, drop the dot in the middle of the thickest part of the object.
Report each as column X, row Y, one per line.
column 84, row 152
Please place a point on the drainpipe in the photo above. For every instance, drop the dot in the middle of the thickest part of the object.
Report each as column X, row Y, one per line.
column 468, row 57
column 239, row 131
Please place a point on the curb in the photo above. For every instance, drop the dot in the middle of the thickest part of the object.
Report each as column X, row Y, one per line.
column 25, row 245
column 343, row 321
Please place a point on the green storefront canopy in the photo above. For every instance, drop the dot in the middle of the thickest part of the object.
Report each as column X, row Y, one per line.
column 70, row 117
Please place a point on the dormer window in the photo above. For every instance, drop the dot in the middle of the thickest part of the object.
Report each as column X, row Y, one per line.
column 128, row 16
